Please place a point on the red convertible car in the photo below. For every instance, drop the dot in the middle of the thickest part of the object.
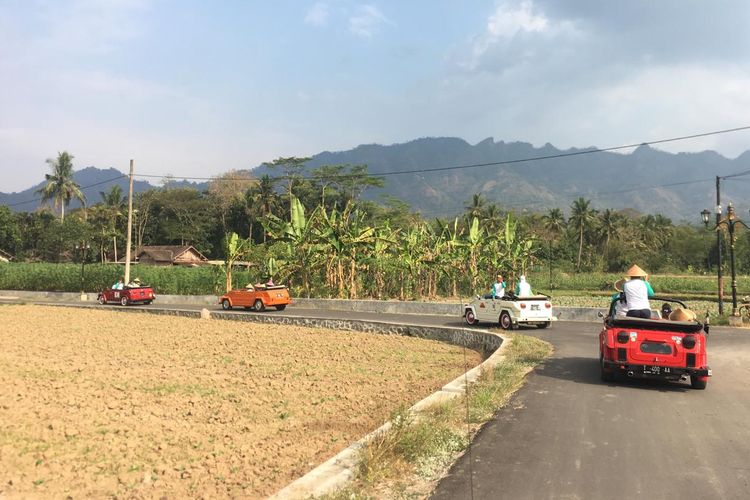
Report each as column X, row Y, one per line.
column 127, row 295
column 656, row 348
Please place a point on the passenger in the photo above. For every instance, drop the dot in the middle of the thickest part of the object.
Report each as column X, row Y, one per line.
column 523, row 289
column 269, row 282
column 119, row 285
column 621, row 305
column 498, row 289
column 680, row 314
column 249, row 287
column 136, row 283
column 637, row 292
column 666, row 310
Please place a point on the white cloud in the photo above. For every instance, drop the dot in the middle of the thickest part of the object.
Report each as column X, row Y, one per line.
column 366, row 21
column 510, row 21
column 318, row 14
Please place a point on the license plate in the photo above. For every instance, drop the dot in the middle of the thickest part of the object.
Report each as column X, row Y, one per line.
column 534, row 307
column 656, row 370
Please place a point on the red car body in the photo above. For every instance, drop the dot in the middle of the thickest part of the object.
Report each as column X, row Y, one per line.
column 127, row 295
column 654, row 349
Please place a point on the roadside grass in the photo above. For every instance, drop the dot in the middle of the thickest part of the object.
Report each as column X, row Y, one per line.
column 407, row 460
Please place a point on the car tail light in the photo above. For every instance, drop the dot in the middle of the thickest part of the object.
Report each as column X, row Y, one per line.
column 547, row 305
column 690, row 359
column 688, row 341
column 523, row 305
column 622, row 337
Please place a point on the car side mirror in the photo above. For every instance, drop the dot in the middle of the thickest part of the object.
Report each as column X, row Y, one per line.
column 600, row 315
column 706, row 328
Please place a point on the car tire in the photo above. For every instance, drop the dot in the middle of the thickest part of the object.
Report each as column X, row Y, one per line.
column 258, row 305
column 281, row 307
column 124, row 301
column 697, row 383
column 505, row 322
column 607, row 375
column 102, row 299
column 543, row 325
column 470, row 318
column 226, row 305
column 148, row 302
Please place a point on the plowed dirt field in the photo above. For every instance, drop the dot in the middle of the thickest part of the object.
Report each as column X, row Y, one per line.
column 97, row 403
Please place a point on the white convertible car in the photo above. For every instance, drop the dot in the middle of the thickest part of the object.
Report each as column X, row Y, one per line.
column 510, row 311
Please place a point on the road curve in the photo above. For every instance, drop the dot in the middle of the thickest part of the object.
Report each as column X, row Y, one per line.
column 566, row 434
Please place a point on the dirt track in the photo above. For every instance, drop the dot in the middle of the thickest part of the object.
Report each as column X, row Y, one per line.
column 100, row 403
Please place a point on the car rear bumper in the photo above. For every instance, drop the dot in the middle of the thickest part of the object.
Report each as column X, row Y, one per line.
column 654, row 371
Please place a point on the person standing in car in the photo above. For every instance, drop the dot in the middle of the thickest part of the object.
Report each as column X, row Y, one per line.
column 637, row 291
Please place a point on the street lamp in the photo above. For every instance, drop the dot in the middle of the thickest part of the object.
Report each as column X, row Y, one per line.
column 82, row 247
column 705, row 214
column 728, row 222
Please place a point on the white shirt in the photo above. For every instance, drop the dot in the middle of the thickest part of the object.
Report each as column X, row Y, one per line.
column 636, row 294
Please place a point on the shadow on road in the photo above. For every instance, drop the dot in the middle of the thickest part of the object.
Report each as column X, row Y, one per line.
column 586, row 371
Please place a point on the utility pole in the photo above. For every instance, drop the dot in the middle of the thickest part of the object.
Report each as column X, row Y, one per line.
column 130, row 226
column 718, row 246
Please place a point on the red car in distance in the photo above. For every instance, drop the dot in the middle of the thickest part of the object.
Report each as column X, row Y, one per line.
column 143, row 294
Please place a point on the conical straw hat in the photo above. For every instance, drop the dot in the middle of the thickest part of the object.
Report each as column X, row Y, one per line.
column 681, row 314
column 636, row 272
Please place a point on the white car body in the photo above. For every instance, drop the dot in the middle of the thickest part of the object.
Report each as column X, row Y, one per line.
column 510, row 312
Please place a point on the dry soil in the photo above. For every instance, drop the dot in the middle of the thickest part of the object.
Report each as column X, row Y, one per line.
column 97, row 403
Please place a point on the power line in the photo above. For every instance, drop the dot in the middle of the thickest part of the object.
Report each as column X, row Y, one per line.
column 81, row 188
column 488, row 164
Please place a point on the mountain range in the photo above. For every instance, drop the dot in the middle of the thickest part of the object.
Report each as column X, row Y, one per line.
column 439, row 176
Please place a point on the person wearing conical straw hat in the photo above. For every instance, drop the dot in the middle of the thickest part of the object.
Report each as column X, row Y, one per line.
column 637, row 291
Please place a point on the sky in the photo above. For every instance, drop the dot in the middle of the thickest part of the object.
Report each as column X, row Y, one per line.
column 196, row 88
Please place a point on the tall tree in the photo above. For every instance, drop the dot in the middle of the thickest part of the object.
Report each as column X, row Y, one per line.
column 60, row 186
column 582, row 217
column 293, row 168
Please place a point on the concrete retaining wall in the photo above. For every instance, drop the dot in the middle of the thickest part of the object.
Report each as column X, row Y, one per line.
column 454, row 309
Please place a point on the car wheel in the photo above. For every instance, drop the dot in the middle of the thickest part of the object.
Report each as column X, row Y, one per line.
column 607, row 375
column 226, row 305
column 698, row 383
column 505, row 322
column 102, row 299
column 543, row 325
column 258, row 305
column 470, row 318
column 281, row 307
column 124, row 301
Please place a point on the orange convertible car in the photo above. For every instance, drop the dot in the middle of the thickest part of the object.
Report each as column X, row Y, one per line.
column 257, row 298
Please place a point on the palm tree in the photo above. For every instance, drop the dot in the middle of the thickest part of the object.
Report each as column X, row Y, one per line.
column 581, row 219
column 610, row 226
column 114, row 203
column 261, row 200
column 475, row 207
column 60, row 186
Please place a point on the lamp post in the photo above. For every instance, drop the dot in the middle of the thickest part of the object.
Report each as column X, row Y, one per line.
column 705, row 214
column 729, row 222
column 82, row 247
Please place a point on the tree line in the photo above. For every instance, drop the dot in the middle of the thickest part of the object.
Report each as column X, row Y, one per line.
column 314, row 229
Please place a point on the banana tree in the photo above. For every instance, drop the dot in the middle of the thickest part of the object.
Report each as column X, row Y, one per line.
column 236, row 248
column 298, row 234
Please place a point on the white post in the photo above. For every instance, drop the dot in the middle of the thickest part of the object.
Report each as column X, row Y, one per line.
column 130, row 226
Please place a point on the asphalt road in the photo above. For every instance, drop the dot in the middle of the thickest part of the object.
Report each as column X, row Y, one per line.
column 568, row 435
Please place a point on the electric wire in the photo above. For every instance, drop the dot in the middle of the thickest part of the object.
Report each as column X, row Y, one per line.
column 495, row 163
column 83, row 188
